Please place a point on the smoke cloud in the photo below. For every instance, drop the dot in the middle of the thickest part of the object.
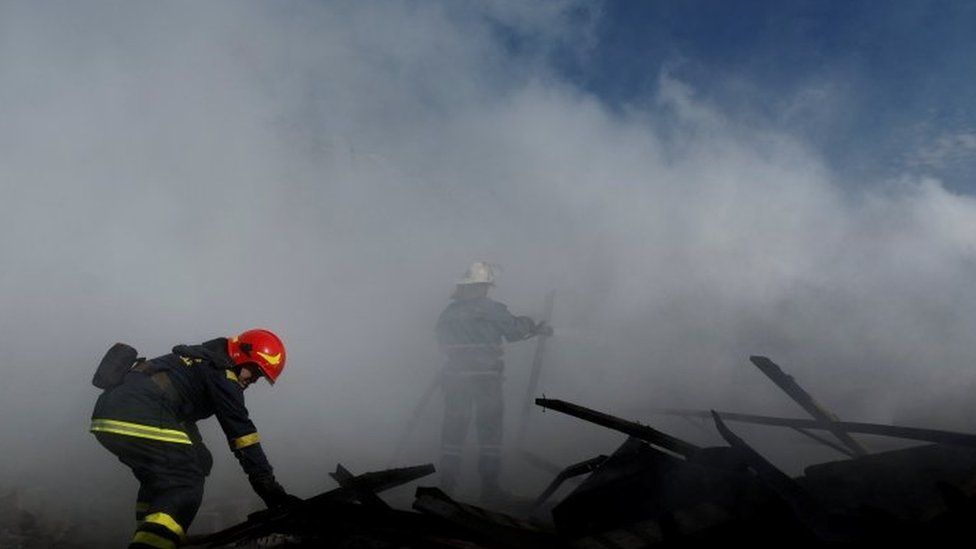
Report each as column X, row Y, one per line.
column 181, row 171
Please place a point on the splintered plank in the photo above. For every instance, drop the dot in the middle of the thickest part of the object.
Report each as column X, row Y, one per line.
column 806, row 510
column 366, row 496
column 581, row 468
column 806, row 401
column 262, row 523
column 540, row 353
column 634, row 429
column 935, row 436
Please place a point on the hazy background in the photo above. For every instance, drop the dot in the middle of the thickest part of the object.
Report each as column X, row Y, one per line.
column 173, row 172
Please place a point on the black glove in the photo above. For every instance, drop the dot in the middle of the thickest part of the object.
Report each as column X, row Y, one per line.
column 543, row 329
column 272, row 493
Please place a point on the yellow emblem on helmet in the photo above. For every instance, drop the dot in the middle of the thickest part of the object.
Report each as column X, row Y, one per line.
column 273, row 360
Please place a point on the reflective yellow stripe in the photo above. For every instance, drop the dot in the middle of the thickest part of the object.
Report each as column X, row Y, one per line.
column 153, row 540
column 245, row 441
column 273, row 360
column 166, row 521
column 231, row 375
column 140, row 431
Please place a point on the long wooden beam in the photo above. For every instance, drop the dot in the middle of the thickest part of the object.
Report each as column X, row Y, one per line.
column 634, row 429
column 805, row 400
column 936, row 436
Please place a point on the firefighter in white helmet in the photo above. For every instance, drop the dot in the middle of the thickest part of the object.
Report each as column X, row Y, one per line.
column 471, row 331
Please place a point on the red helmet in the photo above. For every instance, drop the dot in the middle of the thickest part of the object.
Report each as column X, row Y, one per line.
column 261, row 347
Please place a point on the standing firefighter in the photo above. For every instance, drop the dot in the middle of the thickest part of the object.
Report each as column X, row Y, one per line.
column 470, row 332
column 147, row 417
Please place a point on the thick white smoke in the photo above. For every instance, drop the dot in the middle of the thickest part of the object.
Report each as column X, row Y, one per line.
column 174, row 172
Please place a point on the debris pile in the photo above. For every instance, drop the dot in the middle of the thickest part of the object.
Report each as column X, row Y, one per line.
column 658, row 490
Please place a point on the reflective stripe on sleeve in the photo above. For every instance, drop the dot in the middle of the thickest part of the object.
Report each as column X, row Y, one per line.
column 139, row 431
column 152, row 540
column 166, row 521
column 245, row 441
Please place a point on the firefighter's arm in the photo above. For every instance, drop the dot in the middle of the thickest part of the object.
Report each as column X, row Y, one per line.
column 243, row 438
column 513, row 328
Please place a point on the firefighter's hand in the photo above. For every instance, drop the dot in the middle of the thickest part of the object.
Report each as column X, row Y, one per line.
column 543, row 329
column 288, row 500
column 271, row 493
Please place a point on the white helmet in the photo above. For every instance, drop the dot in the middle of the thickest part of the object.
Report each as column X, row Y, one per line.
column 480, row 272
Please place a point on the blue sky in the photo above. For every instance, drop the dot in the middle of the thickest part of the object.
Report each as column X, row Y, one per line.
column 880, row 88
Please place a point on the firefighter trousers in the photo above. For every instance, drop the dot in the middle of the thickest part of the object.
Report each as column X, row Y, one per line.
column 171, row 478
column 482, row 396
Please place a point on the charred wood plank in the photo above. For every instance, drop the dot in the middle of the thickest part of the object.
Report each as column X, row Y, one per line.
column 380, row 481
column 826, row 442
column 353, row 525
column 575, row 470
column 804, row 507
column 634, row 429
column 935, row 436
column 265, row 522
column 540, row 353
column 366, row 496
column 805, row 400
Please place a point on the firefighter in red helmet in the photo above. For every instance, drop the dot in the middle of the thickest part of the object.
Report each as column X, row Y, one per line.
column 260, row 347
column 148, row 420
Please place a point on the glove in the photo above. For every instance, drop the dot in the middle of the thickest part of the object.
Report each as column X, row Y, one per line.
column 543, row 329
column 271, row 493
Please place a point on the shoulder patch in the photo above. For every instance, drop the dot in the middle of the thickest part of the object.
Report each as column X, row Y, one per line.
column 231, row 375
column 188, row 361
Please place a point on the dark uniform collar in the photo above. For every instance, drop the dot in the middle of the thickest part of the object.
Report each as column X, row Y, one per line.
column 214, row 350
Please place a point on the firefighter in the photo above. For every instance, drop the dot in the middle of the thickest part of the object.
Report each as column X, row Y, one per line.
column 470, row 332
column 149, row 422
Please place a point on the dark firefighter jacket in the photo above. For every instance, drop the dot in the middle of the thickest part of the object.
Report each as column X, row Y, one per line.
column 471, row 332
column 203, row 384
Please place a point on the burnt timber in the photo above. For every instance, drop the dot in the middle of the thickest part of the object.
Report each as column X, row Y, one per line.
column 658, row 490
